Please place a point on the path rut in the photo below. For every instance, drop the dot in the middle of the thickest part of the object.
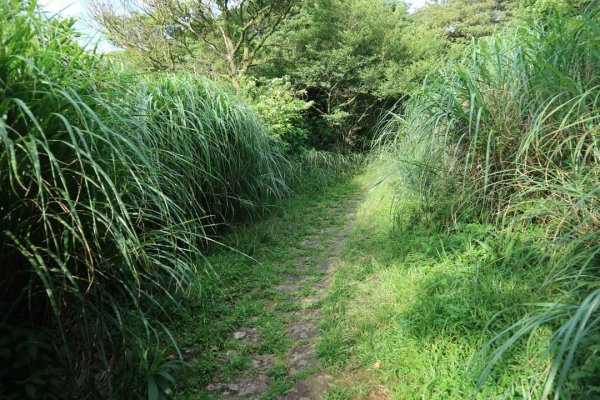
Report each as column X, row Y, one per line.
column 303, row 368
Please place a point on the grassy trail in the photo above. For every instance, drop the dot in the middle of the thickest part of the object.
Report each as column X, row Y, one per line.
column 410, row 308
column 259, row 335
column 331, row 302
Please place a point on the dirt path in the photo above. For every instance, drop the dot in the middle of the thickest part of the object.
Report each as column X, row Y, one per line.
column 297, row 300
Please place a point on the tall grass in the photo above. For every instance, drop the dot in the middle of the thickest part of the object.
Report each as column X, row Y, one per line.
column 110, row 186
column 212, row 153
column 312, row 170
column 510, row 135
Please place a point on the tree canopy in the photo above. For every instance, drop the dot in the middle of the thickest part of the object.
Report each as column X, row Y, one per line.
column 348, row 59
column 214, row 36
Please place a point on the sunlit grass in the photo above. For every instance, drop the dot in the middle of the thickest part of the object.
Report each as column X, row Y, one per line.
column 410, row 308
column 509, row 137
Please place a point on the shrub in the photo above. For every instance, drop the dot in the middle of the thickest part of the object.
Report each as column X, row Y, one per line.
column 281, row 109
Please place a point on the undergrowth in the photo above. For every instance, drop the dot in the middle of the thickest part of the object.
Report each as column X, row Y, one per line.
column 508, row 138
column 113, row 186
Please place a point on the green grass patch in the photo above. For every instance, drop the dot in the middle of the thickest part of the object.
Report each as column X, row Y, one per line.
column 423, row 305
column 505, row 141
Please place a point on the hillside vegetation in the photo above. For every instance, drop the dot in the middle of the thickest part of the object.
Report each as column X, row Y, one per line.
column 112, row 185
column 420, row 188
column 503, row 146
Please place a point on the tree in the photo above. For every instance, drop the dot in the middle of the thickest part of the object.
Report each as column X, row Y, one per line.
column 216, row 36
column 443, row 29
column 460, row 21
column 338, row 52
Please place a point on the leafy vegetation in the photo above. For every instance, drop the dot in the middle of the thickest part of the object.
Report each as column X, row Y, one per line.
column 281, row 108
column 510, row 137
column 153, row 198
column 350, row 60
column 110, row 189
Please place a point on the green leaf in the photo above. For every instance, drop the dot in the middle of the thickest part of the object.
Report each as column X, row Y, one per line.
column 31, row 390
column 153, row 393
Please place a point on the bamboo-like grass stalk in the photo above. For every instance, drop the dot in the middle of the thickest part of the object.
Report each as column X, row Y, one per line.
column 510, row 135
column 111, row 185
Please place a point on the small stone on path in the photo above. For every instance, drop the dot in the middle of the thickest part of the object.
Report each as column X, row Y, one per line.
column 302, row 330
column 340, row 239
column 301, row 358
column 287, row 288
column 310, row 301
column 310, row 243
column 242, row 387
column 326, row 265
column 263, row 361
column 294, row 278
column 251, row 335
column 311, row 388
column 323, row 284
column 308, row 313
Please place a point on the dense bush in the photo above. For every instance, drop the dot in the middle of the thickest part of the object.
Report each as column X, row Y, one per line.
column 510, row 136
column 109, row 186
column 280, row 107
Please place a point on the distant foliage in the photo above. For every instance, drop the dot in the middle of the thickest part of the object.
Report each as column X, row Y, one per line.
column 349, row 59
column 442, row 30
column 281, row 109
column 354, row 59
column 339, row 54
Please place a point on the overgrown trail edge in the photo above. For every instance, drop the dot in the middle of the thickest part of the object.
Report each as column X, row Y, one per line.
column 297, row 299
